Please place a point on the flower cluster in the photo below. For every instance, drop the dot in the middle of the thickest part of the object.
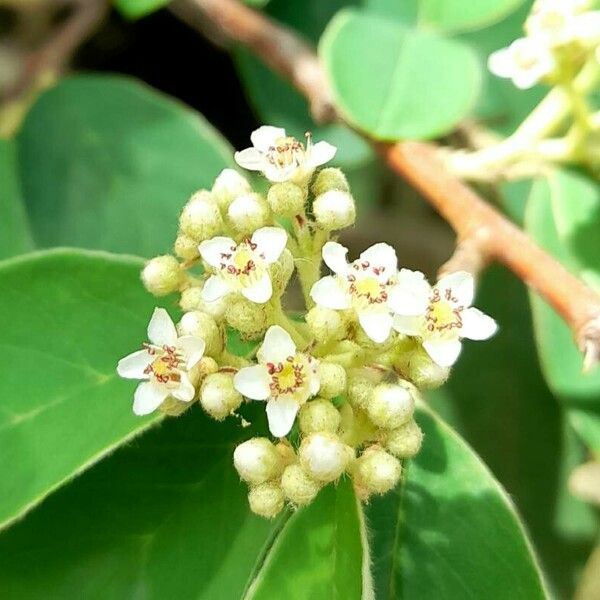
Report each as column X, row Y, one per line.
column 559, row 34
column 340, row 384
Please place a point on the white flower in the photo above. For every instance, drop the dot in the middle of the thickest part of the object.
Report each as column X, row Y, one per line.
column 525, row 61
column 284, row 377
column 439, row 315
column 281, row 157
column 363, row 285
column 163, row 363
column 242, row 267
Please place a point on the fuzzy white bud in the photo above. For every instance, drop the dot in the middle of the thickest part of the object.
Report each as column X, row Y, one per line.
column 360, row 386
column 248, row 213
column 200, row 219
column 228, row 185
column 297, row 486
column 257, row 460
column 327, row 325
column 324, row 457
column 334, row 210
column 329, row 179
column 333, row 380
column 319, row 415
column 186, row 248
column 392, row 404
column 286, row 199
column 266, row 500
column 249, row 318
column 201, row 325
column 206, row 366
column 405, row 441
column 375, row 472
column 162, row 275
column 191, row 299
column 418, row 367
column 218, row 396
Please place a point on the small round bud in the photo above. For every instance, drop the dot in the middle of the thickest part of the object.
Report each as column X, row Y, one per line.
column 319, row 415
column 218, row 397
column 286, row 199
column 298, row 487
column 360, row 386
column 206, row 366
column 162, row 275
column 405, row 441
column 186, row 248
column 391, row 405
column 257, row 460
column 249, row 318
column 200, row 219
column 326, row 325
column 417, row 366
column 324, row 457
column 248, row 213
column 286, row 451
column 332, row 378
column 330, row 179
column 334, row 210
column 229, row 185
column 191, row 298
column 201, row 325
column 375, row 472
column 281, row 272
column 266, row 500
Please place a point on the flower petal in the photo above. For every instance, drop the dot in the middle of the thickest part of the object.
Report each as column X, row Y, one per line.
column 443, row 352
column 264, row 137
column 259, row 292
column 334, row 256
column 462, row 286
column 281, row 415
column 277, row 346
column 328, row 292
column 215, row 288
column 148, row 396
column 270, row 242
column 410, row 296
column 212, row 250
column 250, row 159
column 133, row 365
column 477, row 325
column 408, row 325
column 277, row 174
column 253, row 382
column 186, row 391
column 161, row 329
column 319, row 154
column 383, row 257
column 192, row 348
column 377, row 324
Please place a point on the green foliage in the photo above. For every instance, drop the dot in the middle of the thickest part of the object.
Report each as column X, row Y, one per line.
column 134, row 9
column 380, row 72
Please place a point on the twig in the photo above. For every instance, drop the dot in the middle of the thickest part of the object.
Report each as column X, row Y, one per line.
column 483, row 233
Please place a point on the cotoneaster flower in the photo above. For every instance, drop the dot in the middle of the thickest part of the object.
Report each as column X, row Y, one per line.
column 363, row 286
column 242, row 267
column 282, row 158
column 284, row 377
column 163, row 364
column 440, row 315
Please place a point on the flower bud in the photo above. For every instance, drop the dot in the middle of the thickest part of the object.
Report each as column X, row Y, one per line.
column 218, row 397
column 200, row 219
column 257, row 460
column 286, row 199
column 286, row 451
column 319, row 415
column 266, row 500
column 326, row 325
column 375, row 472
column 228, row 185
column 392, row 404
column 206, row 366
column 417, row 366
column 162, row 275
column 297, row 486
column 324, row 457
column 360, row 386
column 334, row 210
column 330, row 179
column 332, row 378
column 186, row 248
column 404, row 441
column 281, row 272
column 248, row 213
column 201, row 325
column 249, row 318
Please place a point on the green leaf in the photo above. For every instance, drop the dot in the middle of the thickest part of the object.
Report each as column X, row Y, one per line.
column 66, row 317
column 450, row 531
column 134, row 9
column 107, row 163
column 563, row 216
column 15, row 236
column 380, row 72
column 167, row 517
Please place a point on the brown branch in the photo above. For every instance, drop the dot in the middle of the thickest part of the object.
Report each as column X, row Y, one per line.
column 483, row 233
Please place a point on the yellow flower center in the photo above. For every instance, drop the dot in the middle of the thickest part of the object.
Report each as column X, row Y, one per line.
column 243, row 264
column 166, row 367
column 290, row 378
column 443, row 315
column 286, row 152
column 367, row 291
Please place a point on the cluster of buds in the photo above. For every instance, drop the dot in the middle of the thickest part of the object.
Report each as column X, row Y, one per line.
column 339, row 384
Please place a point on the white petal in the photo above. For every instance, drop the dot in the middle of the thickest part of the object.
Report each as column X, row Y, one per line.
column 277, row 174
column 314, row 383
column 320, row 153
column 161, row 329
column 186, row 391
column 477, row 325
column 264, row 137
column 327, row 292
column 192, row 348
column 250, row 159
column 461, row 284
column 277, row 346
column 410, row 296
column 377, row 324
column 408, row 325
column 381, row 256
column 500, row 63
column 148, row 396
column 281, row 415
column 270, row 242
column 443, row 352
column 133, row 365
column 215, row 288
column 212, row 250
column 253, row 382
column 259, row 292
column 334, row 256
